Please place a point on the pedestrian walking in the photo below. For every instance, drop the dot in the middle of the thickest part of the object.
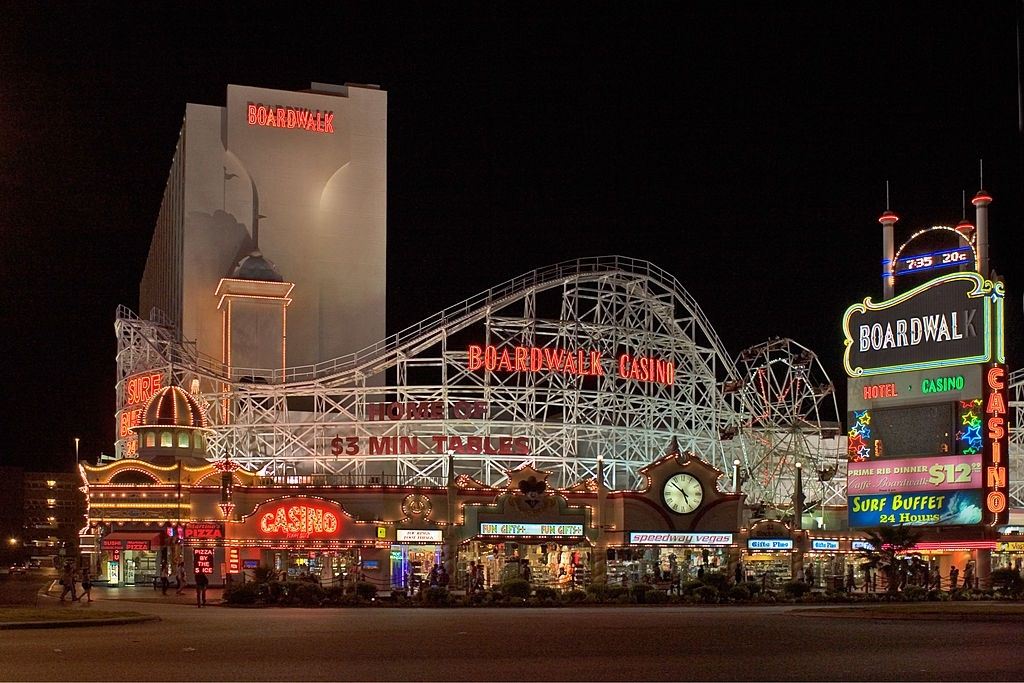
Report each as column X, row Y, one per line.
column 201, row 583
column 67, row 580
column 739, row 573
column 472, row 576
column 851, row 581
column 86, row 585
column 954, row 576
column 179, row 577
column 165, row 577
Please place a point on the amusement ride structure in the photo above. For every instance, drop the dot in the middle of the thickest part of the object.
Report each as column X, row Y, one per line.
column 416, row 403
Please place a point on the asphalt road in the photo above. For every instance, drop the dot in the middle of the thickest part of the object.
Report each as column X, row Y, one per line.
column 640, row 643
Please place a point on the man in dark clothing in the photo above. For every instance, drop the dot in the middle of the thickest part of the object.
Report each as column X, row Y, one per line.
column 201, row 583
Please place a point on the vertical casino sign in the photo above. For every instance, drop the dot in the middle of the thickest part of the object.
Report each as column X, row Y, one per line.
column 995, row 463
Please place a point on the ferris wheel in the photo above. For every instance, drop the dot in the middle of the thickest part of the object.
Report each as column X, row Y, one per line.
column 792, row 419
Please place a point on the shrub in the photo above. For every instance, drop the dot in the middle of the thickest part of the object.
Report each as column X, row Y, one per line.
column 1007, row 581
column 545, row 594
column 516, row 588
column 795, row 589
column 716, row 579
column 598, row 592
column 436, row 596
column 706, row 594
column 301, row 593
column 615, row 593
column 753, row 587
column 242, row 594
column 638, row 592
column 575, row 595
column 915, row 593
column 656, row 597
column 365, row 590
column 739, row 593
column 690, row 586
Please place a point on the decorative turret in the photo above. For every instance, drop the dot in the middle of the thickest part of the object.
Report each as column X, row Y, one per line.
column 172, row 427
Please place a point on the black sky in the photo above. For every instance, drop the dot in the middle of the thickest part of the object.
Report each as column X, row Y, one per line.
column 742, row 147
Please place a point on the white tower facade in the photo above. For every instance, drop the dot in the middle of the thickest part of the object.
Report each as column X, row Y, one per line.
column 300, row 176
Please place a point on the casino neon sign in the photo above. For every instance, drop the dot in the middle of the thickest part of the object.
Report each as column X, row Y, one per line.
column 996, row 441
column 299, row 520
column 578, row 362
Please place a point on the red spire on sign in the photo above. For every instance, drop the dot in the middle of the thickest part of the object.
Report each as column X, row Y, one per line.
column 226, row 508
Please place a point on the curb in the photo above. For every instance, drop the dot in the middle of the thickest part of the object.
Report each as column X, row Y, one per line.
column 75, row 623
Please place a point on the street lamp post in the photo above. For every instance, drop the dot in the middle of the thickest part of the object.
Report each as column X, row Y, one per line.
column 77, row 439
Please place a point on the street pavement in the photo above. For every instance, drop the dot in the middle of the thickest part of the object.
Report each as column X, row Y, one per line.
column 605, row 643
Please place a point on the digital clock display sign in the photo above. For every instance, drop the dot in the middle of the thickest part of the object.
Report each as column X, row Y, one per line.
column 935, row 260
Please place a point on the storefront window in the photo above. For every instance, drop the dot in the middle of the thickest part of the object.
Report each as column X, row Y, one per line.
column 664, row 564
column 557, row 565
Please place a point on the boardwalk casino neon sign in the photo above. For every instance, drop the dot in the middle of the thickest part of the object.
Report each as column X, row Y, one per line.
column 578, row 362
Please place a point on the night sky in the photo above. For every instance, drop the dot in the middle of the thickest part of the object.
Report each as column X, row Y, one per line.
column 742, row 147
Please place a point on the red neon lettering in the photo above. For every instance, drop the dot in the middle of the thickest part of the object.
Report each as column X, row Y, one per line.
column 261, row 115
column 995, row 501
column 521, row 353
column 995, row 377
column 995, row 428
column 554, row 358
column 299, row 519
column 505, row 361
column 624, row 366
column 995, row 477
column 536, row 359
column 281, row 121
column 251, row 109
column 329, row 122
column 476, row 357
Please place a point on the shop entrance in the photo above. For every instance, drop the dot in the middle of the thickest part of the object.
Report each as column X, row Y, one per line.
column 140, row 567
column 411, row 565
column 328, row 568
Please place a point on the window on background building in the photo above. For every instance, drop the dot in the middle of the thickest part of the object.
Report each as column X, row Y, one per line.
column 150, row 439
column 165, row 439
column 199, row 440
column 182, row 439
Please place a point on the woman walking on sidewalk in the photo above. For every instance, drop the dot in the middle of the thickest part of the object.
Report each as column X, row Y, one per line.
column 180, row 577
column 86, row 584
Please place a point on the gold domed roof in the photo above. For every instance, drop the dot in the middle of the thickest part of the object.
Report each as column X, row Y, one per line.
column 172, row 406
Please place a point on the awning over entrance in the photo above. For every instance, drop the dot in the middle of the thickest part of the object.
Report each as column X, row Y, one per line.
column 132, row 540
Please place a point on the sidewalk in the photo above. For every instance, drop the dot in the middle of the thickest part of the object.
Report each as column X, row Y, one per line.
column 143, row 594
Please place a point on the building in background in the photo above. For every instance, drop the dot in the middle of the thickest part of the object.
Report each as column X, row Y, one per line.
column 41, row 514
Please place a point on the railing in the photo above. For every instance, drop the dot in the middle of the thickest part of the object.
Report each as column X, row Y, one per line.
column 348, row 480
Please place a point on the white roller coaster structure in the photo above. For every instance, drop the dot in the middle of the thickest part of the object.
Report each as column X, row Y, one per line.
column 283, row 422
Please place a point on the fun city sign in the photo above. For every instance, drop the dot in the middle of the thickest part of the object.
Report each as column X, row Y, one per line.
column 953, row 320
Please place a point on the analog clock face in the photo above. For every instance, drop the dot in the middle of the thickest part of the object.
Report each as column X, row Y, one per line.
column 683, row 493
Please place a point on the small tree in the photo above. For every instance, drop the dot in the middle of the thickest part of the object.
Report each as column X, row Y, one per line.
column 889, row 545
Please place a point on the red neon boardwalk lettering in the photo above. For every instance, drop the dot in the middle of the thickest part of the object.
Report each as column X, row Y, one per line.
column 290, row 117
column 579, row 362
column 300, row 520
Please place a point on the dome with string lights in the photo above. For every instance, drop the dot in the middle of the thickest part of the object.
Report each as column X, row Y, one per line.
column 172, row 406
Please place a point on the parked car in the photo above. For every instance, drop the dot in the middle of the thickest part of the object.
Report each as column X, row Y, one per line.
column 16, row 569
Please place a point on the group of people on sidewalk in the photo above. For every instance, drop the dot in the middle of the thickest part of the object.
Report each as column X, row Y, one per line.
column 69, row 578
column 202, row 582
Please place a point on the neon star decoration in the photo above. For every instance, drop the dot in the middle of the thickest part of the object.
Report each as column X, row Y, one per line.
column 859, row 444
column 969, row 438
